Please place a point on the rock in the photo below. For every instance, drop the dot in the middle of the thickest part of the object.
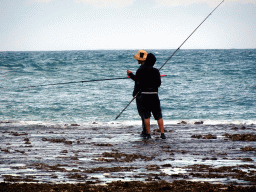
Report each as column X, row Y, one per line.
column 183, row 122
column 198, row 123
column 106, row 174
column 75, row 124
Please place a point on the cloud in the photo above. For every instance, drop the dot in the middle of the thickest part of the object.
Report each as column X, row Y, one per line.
column 43, row 0
column 107, row 3
column 123, row 3
column 189, row 2
column 178, row 2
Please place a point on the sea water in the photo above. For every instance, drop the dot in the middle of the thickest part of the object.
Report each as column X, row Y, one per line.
column 200, row 85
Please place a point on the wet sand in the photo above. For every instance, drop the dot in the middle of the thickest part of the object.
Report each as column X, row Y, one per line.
column 113, row 157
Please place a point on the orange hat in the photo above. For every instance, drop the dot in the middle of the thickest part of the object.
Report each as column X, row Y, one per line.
column 141, row 55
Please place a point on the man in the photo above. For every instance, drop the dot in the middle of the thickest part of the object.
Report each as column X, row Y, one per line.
column 147, row 80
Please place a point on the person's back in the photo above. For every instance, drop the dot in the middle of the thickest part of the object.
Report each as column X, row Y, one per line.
column 147, row 77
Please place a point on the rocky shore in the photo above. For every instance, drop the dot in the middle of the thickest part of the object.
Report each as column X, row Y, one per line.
column 112, row 157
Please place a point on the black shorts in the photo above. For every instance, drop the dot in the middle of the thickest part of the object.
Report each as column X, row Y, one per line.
column 147, row 104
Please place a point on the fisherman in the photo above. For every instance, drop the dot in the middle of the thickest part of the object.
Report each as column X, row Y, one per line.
column 147, row 80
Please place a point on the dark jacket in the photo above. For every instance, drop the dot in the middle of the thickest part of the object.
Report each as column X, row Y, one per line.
column 147, row 78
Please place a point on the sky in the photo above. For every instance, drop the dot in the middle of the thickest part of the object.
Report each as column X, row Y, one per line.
column 49, row 25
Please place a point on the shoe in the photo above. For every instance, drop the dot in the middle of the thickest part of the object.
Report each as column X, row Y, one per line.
column 163, row 136
column 143, row 134
column 147, row 136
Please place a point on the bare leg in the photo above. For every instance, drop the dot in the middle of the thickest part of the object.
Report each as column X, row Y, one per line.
column 147, row 125
column 143, row 127
column 161, row 125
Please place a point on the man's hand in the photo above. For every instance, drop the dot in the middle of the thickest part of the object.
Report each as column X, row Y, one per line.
column 128, row 72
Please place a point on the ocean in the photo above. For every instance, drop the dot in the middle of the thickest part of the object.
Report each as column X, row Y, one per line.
column 213, row 86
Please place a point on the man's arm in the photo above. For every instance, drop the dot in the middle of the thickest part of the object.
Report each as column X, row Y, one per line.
column 131, row 75
column 159, row 79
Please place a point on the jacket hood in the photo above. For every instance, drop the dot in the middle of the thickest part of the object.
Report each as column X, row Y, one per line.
column 150, row 61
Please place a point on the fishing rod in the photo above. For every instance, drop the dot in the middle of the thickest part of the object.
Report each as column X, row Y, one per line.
column 190, row 35
column 76, row 82
column 171, row 57
column 87, row 81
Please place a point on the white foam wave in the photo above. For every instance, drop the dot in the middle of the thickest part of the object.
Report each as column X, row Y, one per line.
column 123, row 123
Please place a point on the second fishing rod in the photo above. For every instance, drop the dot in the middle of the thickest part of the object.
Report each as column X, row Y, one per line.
column 71, row 82
column 170, row 57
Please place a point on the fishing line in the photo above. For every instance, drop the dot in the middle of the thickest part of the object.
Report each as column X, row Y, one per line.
column 171, row 56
